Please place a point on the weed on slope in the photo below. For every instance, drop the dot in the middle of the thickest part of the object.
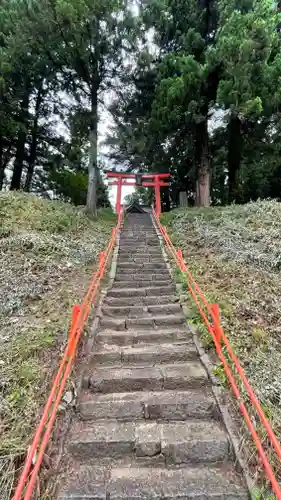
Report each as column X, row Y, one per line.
column 48, row 252
column 234, row 253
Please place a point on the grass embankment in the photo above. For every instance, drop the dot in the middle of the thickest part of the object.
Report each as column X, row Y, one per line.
column 234, row 253
column 48, row 252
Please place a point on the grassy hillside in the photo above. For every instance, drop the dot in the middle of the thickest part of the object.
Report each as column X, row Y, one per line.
column 235, row 255
column 48, row 252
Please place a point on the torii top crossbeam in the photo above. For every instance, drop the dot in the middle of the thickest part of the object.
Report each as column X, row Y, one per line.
column 146, row 180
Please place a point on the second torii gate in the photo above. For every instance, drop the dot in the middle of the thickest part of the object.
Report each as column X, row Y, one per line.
column 150, row 180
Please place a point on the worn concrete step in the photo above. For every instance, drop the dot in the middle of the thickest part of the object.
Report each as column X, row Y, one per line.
column 142, row 275
column 143, row 291
column 151, row 239
column 135, row 483
column 152, row 254
column 145, row 245
column 136, row 235
column 124, row 244
column 135, row 251
column 180, row 376
column 141, row 249
column 145, row 354
column 192, row 441
column 134, row 267
column 141, row 300
column 165, row 405
column 141, row 259
column 153, row 321
column 140, row 311
column 145, row 336
column 143, row 240
column 144, row 283
column 128, row 231
column 137, row 224
column 137, row 228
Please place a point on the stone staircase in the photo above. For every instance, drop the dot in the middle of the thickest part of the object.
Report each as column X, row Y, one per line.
column 148, row 426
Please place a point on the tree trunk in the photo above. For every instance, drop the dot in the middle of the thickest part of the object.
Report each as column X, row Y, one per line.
column 223, row 194
column 183, row 199
column 166, row 206
column 22, row 133
column 34, row 141
column 235, row 146
column 202, row 160
column 91, row 204
column 5, row 158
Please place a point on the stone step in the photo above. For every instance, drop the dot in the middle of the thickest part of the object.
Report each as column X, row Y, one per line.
column 134, row 337
column 144, row 483
column 145, row 354
column 136, row 230
column 129, row 229
column 141, row 311
column 149, row 256
column 134, row 267
column 139, row 226
column 192, row 441
column 142, row 275
column 125, row 245
column 153, row 321
column 143, row 291
column 143, row 238
column 140, row 249
column 140, row 300
column 144, row 283
column 165, row 405
column 137, row 257
column 180, row 376
column 146, row 234
column 140, row 259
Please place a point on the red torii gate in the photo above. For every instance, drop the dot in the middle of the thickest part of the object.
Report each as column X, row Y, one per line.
column 151, row 180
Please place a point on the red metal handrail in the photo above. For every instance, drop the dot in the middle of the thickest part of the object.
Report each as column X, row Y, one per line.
column 43, row 432
column 219, row 337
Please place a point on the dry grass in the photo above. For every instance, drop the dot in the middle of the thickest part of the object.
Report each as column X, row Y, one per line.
column 235, row 255
column 47, row 255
